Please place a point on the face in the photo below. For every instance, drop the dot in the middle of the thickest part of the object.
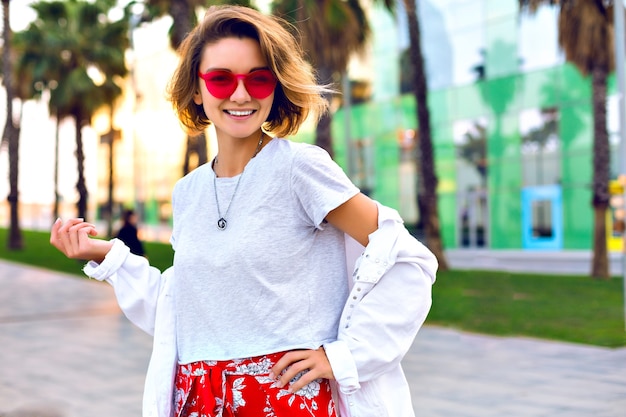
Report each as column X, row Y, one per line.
column 240, row 99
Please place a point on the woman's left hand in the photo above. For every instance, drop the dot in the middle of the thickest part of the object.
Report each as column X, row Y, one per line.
column 314, row 363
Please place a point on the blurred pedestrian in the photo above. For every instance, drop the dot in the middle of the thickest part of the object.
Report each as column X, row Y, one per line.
column 129, row 234
column 291, row 293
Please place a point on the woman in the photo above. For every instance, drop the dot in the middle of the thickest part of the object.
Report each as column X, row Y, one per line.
column 257, row 315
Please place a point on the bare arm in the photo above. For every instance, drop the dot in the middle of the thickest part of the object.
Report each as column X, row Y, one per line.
column 358, row 217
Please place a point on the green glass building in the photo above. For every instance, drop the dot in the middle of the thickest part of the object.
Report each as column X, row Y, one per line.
column 512, row 127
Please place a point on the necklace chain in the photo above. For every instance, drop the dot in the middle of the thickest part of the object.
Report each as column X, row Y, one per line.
column 222, row 223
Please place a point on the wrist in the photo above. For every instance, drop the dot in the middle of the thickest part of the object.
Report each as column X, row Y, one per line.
column 111, row 254
column 100, row 250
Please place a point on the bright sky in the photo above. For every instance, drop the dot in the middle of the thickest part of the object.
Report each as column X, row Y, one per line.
column 21, row 14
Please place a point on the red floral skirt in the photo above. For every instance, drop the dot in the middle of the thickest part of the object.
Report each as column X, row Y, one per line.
column 243, row 388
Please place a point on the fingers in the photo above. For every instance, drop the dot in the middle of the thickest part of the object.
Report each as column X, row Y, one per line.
column 289, row 366
column 72, row 238
column 54, row 232
column 301, row 367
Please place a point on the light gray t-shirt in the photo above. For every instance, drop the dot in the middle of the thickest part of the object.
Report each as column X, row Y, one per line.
column 275, row 278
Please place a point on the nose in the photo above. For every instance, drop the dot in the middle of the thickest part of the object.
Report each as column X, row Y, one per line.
column 240, row 94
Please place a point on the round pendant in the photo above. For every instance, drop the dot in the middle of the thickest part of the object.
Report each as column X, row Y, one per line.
column 221, row 223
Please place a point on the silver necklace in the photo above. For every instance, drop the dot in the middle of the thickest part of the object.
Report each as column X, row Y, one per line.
column 222, row 223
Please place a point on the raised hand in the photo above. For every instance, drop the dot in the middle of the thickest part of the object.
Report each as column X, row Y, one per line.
column 74, row 239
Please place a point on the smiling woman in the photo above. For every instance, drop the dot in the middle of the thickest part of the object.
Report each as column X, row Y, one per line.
column 258, row 315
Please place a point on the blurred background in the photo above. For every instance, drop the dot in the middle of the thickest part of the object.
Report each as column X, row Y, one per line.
column 511, row 118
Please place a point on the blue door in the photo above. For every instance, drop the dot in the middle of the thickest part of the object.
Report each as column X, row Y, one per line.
column 542, row 217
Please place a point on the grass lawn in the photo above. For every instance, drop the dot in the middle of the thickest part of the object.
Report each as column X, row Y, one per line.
column 567, row 308
column 39, row 252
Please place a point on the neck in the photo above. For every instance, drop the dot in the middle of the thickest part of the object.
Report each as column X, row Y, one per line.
column 233, row 158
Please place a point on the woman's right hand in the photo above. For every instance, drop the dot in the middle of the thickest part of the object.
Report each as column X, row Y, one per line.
column 74, row 239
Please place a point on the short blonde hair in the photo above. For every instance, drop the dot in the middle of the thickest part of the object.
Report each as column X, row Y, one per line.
column 297, row 94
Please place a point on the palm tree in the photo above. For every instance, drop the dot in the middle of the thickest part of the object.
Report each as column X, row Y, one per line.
column 331, row 32
column 427, row 183
column 586, row 36
column 37, row 71
column 77, row 39
column 184, row 18
column 11, row 133
column 183, row 13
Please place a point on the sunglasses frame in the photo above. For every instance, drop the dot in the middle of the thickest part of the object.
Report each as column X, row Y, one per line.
column 252, row 89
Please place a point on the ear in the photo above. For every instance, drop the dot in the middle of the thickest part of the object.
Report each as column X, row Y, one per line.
column 197, row 97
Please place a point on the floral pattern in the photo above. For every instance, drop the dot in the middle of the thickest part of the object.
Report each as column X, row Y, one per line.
column 243, row 388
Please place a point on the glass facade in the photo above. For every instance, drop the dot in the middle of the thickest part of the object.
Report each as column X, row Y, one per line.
column 510, row 118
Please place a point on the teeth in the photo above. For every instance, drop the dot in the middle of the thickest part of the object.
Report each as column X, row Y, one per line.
column 240, row 112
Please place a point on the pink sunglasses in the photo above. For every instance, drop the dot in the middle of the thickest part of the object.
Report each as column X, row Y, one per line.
column 222, row 84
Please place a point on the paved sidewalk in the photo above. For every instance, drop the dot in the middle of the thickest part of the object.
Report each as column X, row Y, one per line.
column 67, row 351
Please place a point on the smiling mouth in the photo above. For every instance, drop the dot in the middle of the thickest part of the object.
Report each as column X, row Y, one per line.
column 239, row 113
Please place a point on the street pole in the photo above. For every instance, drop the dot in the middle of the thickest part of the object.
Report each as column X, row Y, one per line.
column 135, row 20
column 618, row 25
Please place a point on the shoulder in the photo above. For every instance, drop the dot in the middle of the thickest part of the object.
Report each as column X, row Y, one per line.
column 302, row 154
column 305, row 150
column 296, row 156
column 288, row 146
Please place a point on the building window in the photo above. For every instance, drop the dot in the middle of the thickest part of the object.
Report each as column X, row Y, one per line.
column 541, row 147
column 470, row 140
column 538, row 46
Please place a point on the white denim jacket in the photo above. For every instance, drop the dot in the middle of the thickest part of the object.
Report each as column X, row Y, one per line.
column 389, row 300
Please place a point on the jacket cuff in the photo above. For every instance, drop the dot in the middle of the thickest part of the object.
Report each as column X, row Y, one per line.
column 111, row 263
column 343, row 366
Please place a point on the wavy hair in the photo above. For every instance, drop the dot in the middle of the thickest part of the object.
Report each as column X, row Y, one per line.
column 297, row 95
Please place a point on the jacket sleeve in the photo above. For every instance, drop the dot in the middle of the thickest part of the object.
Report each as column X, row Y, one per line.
column 388, row 303
column 136, row 284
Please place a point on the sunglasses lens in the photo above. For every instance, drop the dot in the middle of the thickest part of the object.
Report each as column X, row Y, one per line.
column 260, row 84
column 222, row 84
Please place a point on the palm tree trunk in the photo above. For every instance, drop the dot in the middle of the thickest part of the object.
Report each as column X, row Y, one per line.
column 11, row 134
column 182, row 13
column 202, row 149
column 57, row 196
column 323, row 134
column 81, row 187
column 196, row 145
column 112, row 137
column 427, row 182
column 601, row 174
column 323, row 137
column 109, row 210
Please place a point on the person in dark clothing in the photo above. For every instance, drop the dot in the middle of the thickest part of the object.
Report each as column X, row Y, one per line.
column 129, row 235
